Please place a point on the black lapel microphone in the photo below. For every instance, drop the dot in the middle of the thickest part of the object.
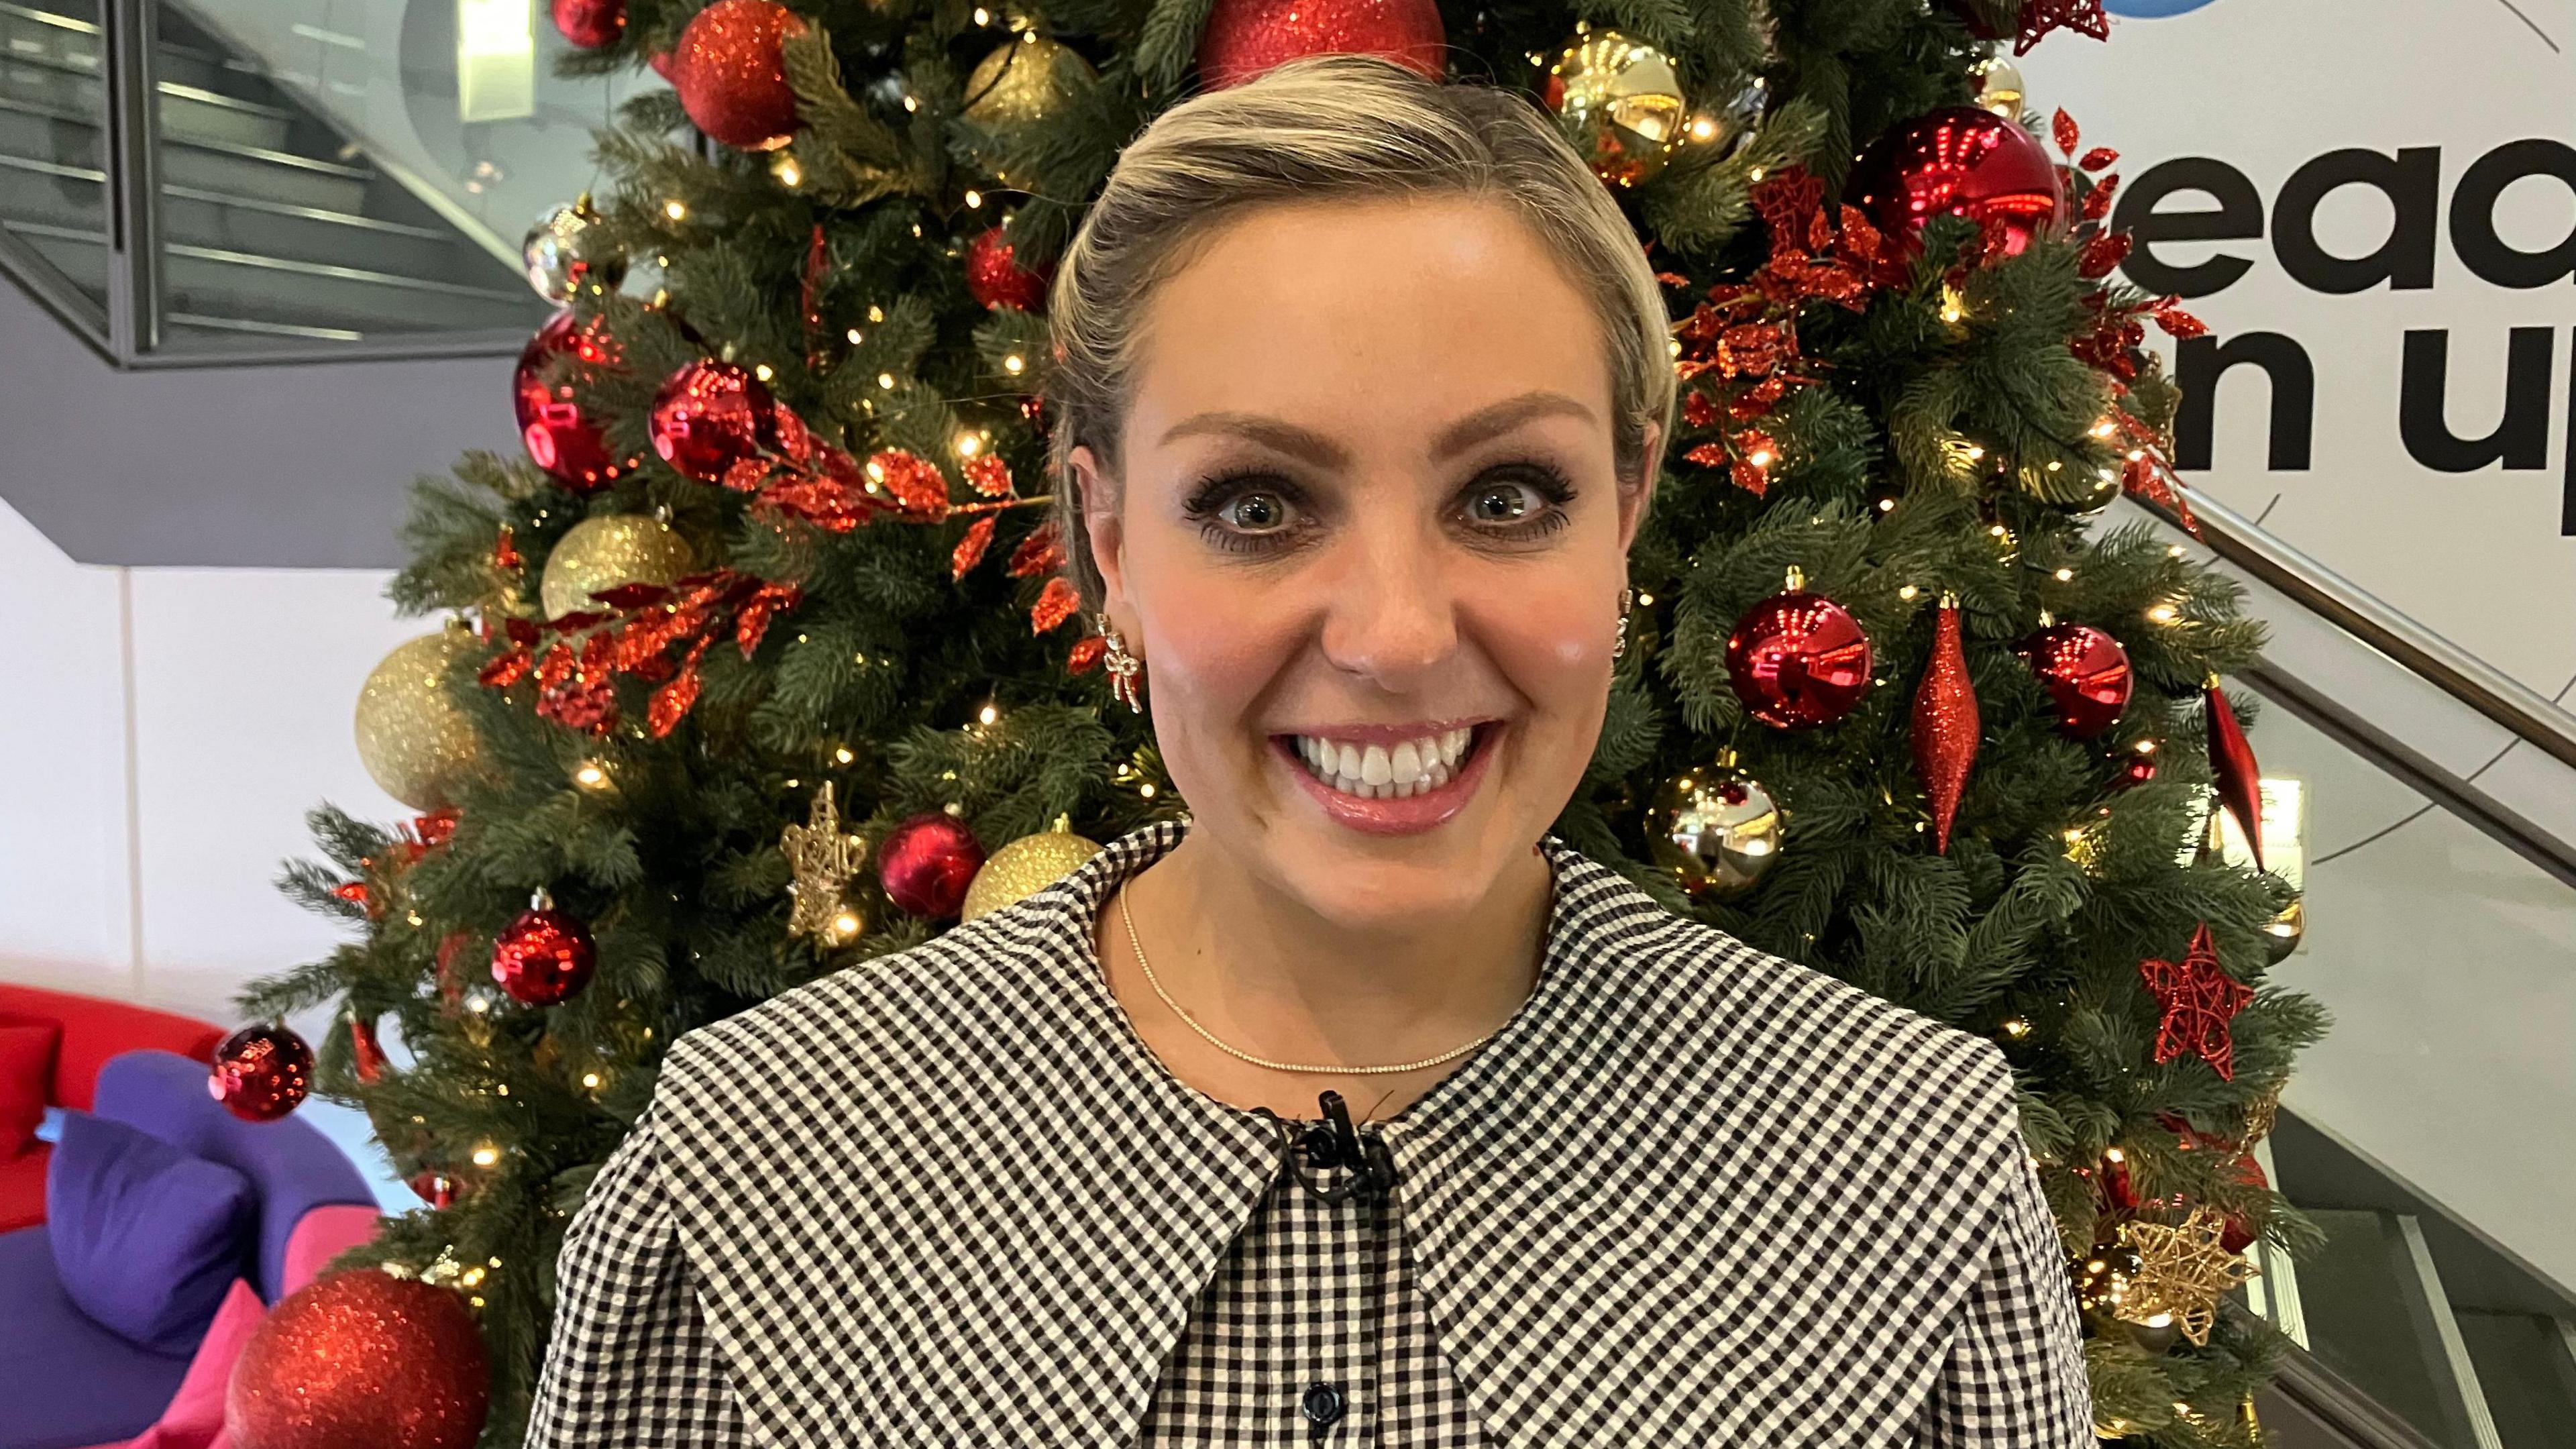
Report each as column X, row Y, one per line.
column 1335, row 1142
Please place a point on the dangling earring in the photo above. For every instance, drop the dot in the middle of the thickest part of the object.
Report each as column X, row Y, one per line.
column 1627, row 601
column 1123, row 667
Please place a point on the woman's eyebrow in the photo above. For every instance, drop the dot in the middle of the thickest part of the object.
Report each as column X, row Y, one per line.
column 1491, row 420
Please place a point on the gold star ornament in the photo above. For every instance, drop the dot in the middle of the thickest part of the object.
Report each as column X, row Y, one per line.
column 824, row 857
column 2183, row 1271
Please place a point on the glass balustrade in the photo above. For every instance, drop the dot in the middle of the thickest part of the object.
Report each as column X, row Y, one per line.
column 54, row 207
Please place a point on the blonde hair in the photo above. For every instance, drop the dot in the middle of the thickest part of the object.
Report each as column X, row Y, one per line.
column 1334, row 127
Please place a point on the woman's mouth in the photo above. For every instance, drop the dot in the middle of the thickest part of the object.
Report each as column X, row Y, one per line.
column 1390, row 782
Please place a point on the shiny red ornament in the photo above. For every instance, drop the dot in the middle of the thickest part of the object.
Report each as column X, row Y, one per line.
column 544, row 956
column 261, row 1073
column 366, row 1053
column 927, row 862
column 2085, row 672
column 1946, row 724
column 2238, row 1233
column 360, row 1359
column 1965, row 162
column 2197, row 1000
column 2136, row 770
column 559, row 437
column 1243, row 38
column 710, row 416
column 2118, row 1188
column 732, row 76
column 1798, row 660
column 434, row 1188
column 590, row 24
column 2231, row 762
column 998, row 280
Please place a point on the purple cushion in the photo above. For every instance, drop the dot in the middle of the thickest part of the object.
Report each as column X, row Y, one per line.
column 147, row 1238
column 65, row 1382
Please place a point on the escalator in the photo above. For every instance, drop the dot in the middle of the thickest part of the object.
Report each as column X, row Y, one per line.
column 2429, row 806
column 272, row 221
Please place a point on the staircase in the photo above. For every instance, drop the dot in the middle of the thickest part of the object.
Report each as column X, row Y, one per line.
column 272, row 223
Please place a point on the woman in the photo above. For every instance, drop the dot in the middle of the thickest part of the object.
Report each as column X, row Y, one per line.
column 1358, row 1109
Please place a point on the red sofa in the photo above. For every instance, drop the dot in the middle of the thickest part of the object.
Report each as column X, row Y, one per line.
column 93, row 1031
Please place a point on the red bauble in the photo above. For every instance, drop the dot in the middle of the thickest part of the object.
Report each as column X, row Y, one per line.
column 1946, row 724
column 1961, row 161
column 590, row 24
column 1797, row 660
column 367, row 1055
column 559, row 438
column 1243, row 38
column 2231, row 761
column 710, row 416
column 2085, row 672
column 361, row 1359
column 261, row 1073
column 2118, row 1188
column 2136, row 770
column 2238, row 1233
column 927, row 863
column 998, row 280
column 731, row 76
column 434, row 1188
column 544, row 956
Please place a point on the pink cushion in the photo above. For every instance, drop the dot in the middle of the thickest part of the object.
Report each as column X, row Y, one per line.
column 195, row 1418
column 321, row 1235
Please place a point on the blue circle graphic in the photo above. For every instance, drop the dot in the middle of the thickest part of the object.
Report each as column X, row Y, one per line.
column 2154, row 9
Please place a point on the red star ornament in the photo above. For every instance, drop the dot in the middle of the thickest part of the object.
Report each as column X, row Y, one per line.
column 2199, row 1001
column 2039, row 17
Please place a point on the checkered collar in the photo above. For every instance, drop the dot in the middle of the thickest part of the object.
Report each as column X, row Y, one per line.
column 955, row 1179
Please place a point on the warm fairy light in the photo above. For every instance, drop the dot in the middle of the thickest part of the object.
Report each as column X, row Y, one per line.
column 503, row 1089
column 2163, row 614
column 876, row 471
column 876, row 314
column 989, row 714
column 1029, row 36
column 1997, row 530
column 974, row 197
column 1908, row 592
column 911, row 103
column 2017, row 1027
column 1703, row 129
column 1146, row 789
column 842, row 756
column 2115, row 1154
column 2105, row 428
column 855, row 337
column 787, row 171
column 983, row 16
column 1674, row 345
column 1759, row 458
column 1014, row 363
column 2137, row 455
column 2054, row 466
column 886, row 380
column 2173, row 551
column 471, row 1277
column 1648, row 600
column 846, row 925
column 590, row 1080
column 968, row 445
column 1754, row 176
column 2146, row 747
column 762, row 372
column 486, row 1155
column 676, row 209
column 2065, row 576
column 1976, row 454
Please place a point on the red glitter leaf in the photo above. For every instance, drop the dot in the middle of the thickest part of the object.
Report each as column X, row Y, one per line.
column 745, row 475
column 915, row 481
column 989, row 475
column 522, row 632
column 1700, row 411
column 1056, row 603
column 1672, row 279
column 1042, row 552
column 2178, row 323
column 438, row 826
column 1709, row 455
column 556, row 667
column 2097, row 202
column 672, row 702
column 2068, row 134
column 507, row 670
column 752, row 623
column 1085, row 654
column 2103, row 254
column 355, row 892
column 2100, row 158
column 633, row 596
column 970, row 549
column 826, row 503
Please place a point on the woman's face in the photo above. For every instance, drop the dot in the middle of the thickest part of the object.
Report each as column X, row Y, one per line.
column 1369, row 541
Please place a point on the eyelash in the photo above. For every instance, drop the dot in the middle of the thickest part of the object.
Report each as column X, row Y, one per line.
column 1211, row 496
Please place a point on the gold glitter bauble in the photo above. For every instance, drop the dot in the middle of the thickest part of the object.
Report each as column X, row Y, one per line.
column 1024, row 81
column 602, row 553
column 412, row 736
column 1717, row 830
column 1620, row 102
column 1023, row 868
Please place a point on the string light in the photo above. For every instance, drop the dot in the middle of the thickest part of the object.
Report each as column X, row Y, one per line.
column 590, row 1080
column 1703, row 129
column 1647, row 600
column 846, row 925
column 876, row 314
column 855, row 338
column 676, row 209
column 2065, row 576
column 983, row 16
column 2105, row 428
column 968, row 445
column 486, row 1155
column 2173, row 551
column 974, row 198
column 886, row 380
column 1908, row 592
column 911, row 103
column 787, row 171
column 988, row 715
column 1014, row 363
column 2017, row 1027
column 2163, row 614
column 842, row 756
column 762, row 372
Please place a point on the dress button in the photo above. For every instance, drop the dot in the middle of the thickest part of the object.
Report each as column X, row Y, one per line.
column 1323, row 1404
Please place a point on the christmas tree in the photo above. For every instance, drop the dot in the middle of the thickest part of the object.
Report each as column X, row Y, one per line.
column 762, row 646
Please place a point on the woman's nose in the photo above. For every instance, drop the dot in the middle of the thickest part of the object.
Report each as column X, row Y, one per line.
column 1390, row 618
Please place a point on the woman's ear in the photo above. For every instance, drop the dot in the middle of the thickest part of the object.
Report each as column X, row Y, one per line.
column 1636, row 494
column 1099, row 493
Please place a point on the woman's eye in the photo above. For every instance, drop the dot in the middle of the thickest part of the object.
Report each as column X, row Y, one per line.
column 1255, row 512
column 1504, row 502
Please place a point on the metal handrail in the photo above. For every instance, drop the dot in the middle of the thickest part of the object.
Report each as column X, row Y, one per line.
column 2513, row 706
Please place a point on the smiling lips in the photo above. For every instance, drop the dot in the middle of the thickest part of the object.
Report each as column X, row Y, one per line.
column 1397, row 782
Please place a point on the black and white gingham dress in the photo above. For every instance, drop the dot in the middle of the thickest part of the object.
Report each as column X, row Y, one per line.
column 1690, row 1195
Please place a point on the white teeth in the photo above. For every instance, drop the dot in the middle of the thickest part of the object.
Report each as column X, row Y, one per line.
column 1412, row 767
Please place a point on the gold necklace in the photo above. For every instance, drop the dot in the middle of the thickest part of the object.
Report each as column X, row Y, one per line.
column 1239, row 1054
